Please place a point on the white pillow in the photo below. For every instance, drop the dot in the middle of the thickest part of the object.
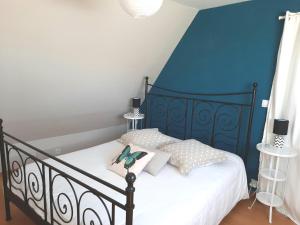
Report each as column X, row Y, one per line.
column 157, row 162
column 190, row 154
column 147, row 138
column 131, row 159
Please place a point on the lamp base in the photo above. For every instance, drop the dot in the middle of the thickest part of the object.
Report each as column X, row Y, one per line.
column 279, row 141
column 136, row 111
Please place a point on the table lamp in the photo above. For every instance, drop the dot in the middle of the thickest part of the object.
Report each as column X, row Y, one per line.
column 280, row 130
column 136, row 103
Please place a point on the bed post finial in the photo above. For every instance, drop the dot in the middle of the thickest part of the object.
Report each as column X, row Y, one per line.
column 254, row 85
column 4, row 173
column 130, row 179
column 146, row 86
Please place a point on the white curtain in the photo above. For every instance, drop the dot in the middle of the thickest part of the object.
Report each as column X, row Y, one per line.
column 285, row 104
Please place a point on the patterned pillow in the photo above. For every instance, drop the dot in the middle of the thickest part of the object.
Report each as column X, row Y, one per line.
column 147, row 138
column 190, row 154
column 131, row 159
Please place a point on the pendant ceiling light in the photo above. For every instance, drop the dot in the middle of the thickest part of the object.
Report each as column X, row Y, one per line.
column 141, row 8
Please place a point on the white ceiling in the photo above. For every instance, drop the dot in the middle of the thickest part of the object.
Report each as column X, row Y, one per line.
column 205, row 4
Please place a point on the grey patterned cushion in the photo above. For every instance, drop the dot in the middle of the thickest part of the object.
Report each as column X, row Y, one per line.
column 159, row 160
column 190, row 154
column 147, row 138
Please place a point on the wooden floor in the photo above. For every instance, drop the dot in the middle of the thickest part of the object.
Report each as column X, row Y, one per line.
column 240, row 215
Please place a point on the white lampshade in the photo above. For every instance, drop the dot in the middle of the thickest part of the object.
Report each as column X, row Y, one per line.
column 141, row 8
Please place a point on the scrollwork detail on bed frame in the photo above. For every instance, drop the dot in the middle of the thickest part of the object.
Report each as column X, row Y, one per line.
column 25, row 183
column 68, row 206
column 34, row 185
column 221, row 120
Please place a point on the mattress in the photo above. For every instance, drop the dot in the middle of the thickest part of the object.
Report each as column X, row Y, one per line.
column 204, row 197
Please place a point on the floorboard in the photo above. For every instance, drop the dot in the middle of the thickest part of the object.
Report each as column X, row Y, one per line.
column 258, row 215
column 240, row 215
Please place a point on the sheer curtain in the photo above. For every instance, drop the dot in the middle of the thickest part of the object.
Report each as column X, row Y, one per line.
column 285, row 103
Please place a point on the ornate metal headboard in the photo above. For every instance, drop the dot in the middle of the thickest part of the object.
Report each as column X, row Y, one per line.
column 221, row 120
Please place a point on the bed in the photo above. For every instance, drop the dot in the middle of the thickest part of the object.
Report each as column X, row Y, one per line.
column 77, row 188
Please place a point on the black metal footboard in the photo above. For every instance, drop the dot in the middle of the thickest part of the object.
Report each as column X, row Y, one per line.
column 50, row 195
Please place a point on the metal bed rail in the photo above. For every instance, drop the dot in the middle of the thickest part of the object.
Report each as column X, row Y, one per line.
column 33, row 184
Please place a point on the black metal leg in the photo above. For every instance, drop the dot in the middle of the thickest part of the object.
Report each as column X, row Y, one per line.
column 7, row 209
column 4, row 174
column 130, row 178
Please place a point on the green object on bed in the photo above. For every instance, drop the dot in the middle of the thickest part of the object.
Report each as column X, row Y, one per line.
column 130, row 158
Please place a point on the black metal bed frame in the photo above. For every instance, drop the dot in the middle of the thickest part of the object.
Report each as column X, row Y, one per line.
column 17, row 178
column 39, row 192
column 204, row 116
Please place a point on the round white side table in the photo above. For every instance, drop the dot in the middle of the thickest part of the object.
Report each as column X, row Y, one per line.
column 270, row 172
column 134, row 122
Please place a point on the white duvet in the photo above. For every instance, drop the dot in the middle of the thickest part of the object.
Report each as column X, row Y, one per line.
column 204, row 197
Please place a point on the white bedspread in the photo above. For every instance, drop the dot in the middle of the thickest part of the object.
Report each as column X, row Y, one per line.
column 204, row 197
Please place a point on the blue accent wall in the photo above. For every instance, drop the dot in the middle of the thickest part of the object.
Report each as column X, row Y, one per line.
column 225, row 49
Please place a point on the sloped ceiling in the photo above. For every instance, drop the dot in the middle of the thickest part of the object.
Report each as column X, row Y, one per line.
column 69, row 66
column 205, row 4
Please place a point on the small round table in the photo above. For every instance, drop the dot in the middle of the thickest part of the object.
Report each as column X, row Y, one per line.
column 270, row 171
column 134, row 122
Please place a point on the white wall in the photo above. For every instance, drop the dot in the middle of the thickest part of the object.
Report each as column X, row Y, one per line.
column 71, row 142
column 70, row 66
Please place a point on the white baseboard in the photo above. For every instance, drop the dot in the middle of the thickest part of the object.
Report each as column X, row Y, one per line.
column 73, row 142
